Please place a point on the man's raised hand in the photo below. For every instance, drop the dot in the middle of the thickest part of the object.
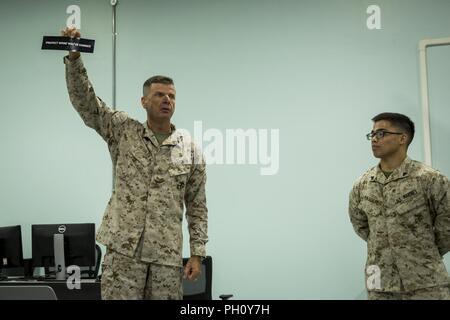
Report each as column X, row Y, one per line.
column 71, row 32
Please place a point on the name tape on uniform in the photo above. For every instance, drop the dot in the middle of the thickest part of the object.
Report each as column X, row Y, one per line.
column 68, row 44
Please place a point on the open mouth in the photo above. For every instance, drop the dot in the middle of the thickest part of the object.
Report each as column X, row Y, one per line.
column 165, row 108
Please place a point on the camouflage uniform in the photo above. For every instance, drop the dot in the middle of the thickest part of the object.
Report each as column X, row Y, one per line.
column 405, row 220
column 130, row 278
column 143, row 219
column 433, row 293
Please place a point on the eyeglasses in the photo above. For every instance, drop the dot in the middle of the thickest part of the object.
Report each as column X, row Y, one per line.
column 380, row 134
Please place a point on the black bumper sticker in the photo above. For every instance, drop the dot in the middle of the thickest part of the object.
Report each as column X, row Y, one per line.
column 68, row 44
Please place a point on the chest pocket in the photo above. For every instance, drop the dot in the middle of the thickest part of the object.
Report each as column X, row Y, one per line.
column 179, row 175
column 140, row 156
column 371, row 204
column 411, row 207
column 135, row 163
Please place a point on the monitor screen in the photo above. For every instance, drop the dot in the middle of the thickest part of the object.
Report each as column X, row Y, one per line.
column 79, row 244
column 11, row 254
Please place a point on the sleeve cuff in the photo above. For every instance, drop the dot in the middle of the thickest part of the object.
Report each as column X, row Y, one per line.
column 72, row 63
column 197, row 250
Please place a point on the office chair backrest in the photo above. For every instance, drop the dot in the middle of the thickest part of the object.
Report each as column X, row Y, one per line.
column 200, row 289
column 27, row 293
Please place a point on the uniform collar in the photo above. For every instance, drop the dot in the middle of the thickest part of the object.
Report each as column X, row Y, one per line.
column 400, row 172
column 172, row 140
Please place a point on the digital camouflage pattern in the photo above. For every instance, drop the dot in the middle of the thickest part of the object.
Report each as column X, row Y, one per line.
column 125, row 278
column 433, row 293
column 152, row 181
column 405, row 220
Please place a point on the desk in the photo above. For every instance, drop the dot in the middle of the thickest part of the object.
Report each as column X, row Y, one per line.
column 89, row 289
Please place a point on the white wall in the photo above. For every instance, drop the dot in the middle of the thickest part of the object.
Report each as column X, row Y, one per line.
column 311, row 69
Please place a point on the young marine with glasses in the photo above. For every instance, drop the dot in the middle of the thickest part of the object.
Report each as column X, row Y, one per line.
column 401, row 208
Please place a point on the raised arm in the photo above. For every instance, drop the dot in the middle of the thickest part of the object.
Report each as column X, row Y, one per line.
column 94, row 112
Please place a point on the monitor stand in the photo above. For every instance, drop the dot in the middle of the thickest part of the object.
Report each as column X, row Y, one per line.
column 60, row 264
column 2, row 276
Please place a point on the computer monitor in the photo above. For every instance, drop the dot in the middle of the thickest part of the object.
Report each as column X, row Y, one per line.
column 73, row 243
column 11, row 254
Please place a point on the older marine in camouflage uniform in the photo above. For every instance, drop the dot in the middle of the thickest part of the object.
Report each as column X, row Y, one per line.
column 142, row 224
column 405, row 218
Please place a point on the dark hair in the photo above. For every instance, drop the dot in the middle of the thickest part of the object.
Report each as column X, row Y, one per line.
column 398, row 120
column 155, row 79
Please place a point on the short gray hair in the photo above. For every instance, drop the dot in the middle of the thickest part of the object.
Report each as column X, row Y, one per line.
column 155, row 79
